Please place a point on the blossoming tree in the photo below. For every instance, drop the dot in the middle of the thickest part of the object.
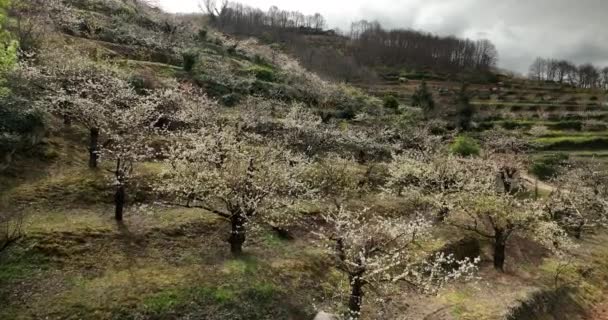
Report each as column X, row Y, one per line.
column 379, row 252
column 218, row 170
column 580, row 198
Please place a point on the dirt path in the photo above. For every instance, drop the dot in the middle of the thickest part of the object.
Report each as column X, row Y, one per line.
column 531, row 181
column 600, row 312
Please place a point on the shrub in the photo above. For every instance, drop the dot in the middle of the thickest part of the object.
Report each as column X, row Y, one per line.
column 348, row 113
column 390, row 102
column 262, row 73
column 424, row 99
column 484, row 96
column 465, row 110
column 438, row 127
column 485, row 126
column 231, row 50
column 594, row 125
column 547, row 167
column 232, row 99
column 202, row 35
column 214, row 87
column 144, row 81
column 539, row 131
column 465, row 146
column 552, row 108
column 20, row 127
column 190, row 59
column 571, row 108
column 513, row 124
column 258, row 59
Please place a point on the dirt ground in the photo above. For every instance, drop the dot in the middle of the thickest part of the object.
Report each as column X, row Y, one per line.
column 600, row 312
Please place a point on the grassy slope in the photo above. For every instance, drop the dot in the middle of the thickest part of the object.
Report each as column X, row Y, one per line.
column 77, row 263
column 162, row 263
column 520, row 105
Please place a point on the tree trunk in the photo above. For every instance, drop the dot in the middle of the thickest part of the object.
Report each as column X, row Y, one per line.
column 67, row 120
column 578, row 230
column 93, row 147
column 443, row 214
column 499, row 251
column 237, row 234
column 119, row 202
column 356, row 296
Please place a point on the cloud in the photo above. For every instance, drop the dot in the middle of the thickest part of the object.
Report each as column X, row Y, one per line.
column 521, row 29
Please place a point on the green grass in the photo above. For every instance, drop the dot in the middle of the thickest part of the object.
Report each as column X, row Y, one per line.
column 18, row 264
column 245, row 301
column 271, row 239
column 561, row 133
column 160, row 266
column 163, row 302
column 263, row 73
column 590, row 142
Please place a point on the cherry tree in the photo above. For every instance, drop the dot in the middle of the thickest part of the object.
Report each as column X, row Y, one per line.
column 496, row 218
column 489, row 209
column 439, row 178
column 183, row 106
column 78, row 90
column 128, row 131
column 216, row 169
column 507, row 152
column 380, row 252
column 335, row 180
column 580, row 198
column 480, row 195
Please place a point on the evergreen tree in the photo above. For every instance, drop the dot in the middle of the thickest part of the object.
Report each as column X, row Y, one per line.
column 465, row 110
column 424, row 99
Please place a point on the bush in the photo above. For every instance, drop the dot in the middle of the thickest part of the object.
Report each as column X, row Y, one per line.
column 423, row 98
column 190, row 59
column 513, row 124
column 213, row 87
column 465, row 110
column 390, row 102
column 19, row 127
column 231, row 100
column 594, row 125
column 231, row 50
column 262, row 73
column 516, row 108
column 202, row 35
column 547, row 167
column 465, row 146
column 144, row 81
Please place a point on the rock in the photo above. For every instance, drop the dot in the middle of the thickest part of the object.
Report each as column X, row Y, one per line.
column 324, row 316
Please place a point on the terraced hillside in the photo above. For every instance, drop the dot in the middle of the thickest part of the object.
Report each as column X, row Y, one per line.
column 227, row 140
column 559, row 118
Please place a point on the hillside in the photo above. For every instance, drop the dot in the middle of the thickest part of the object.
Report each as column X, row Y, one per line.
column 557, row 119
column 153, row 167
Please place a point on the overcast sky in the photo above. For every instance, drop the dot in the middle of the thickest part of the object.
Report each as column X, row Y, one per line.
column 520, row 29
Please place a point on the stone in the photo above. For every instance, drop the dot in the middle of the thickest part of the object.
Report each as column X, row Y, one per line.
column 324, row 316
